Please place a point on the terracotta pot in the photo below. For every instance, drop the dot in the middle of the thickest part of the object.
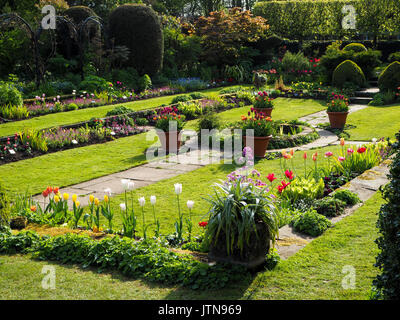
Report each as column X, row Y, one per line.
column 253, row 254
column 260, row 145
column 337, row 119
column 266, row 111
column 170, row 140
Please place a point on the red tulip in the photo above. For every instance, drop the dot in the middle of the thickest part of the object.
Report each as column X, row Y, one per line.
column 289, row 174
column 271, row 177
column 362, row 150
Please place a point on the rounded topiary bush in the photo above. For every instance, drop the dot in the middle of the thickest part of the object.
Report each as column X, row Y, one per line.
column 356, row 47
column 348, row 72
column 390, row 77
column 138, row 28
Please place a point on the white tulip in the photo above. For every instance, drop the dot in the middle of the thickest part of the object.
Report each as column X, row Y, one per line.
column 190, row 204
column 374, row 140
column 108, row 192
column 131, row 185
column 124, row 183
column 178, row 188
column 153, row 200
column 142, row 201
column 123, row 206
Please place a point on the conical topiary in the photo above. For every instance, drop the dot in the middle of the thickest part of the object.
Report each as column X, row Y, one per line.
column 348, row 72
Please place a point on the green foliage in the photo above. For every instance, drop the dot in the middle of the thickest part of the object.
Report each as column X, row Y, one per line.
column 388, row 280
column 34, row 138
column 197, row 95
column 329, row 207
column 150, row 260
column 4, row 207
column 190, row 109
column 93, row 84
column 14, row 112
column 118, row 111
column 71, row 106
column 395, row 56
column 142, row 122
column 272, row 259
column 356, row 47
column 303, row 189
column 138, row 28
column 208, row 121
column 235, row 209
column 311, row 223
column 348, row 72
column 348, row 197
column 9, row 95
column 366, row 60
column 390, row 77
column 144, row 83
column 181, row 98
column 383, row 98
column 295, row 61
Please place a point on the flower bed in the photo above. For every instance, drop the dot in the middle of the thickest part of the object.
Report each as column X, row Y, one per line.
column 31, row 143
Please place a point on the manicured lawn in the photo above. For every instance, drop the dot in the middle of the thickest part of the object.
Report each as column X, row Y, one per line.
column 374, row 122
column 65, row 118
column 315, row 272
column 75, row 165
column 285, row 109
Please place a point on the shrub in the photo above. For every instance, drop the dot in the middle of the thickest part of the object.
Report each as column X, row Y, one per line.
column 93, row 83
column 71, row 106
column 197, row 95
column 311, row 223
column 329, row 207
column 388, row 260
column 144, row 83
column 348, row 72
column 9, row 95
column 295, row 61
column 4, row 207
column 348, row 197
column 118, row 110
column 138, row 28
column 356, row 47
column 181, row 98
column 142, row 122
column 390, row 77
column 395, row 56
column 209, row 121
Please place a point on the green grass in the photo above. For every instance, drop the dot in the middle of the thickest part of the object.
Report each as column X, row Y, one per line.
column 285, row 109
column 65, row 118
column 315, row 272
column 374, row 122
column 75, row 165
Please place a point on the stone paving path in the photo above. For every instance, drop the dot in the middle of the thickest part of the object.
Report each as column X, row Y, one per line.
column 365, row 186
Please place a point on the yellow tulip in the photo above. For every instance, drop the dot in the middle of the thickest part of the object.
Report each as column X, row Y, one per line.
column 74, row 197
column 56, row 198
column 65, row 196
column 77, row 203
column 96, row 201
column 91, row 198
column 106, row 198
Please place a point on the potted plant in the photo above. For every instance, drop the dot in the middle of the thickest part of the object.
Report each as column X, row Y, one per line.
column 263, row 103
column 169, row 125
column 338, row 109
column 257, row 132
column 242, row 223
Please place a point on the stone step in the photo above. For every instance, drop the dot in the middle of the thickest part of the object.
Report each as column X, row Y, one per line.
column 364, row 94
column 360, row 100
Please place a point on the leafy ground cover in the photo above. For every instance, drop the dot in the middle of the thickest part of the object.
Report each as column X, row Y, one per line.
column 349, row 243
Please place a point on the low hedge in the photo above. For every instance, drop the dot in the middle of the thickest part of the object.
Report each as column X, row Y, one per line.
column 356, row 47
column 150, row 260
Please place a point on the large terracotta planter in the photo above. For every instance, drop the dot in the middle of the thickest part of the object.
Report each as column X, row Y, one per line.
column 170, row 140
column 253, row 254
column 266, row 111
column 337, row 119
column 260, row 144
